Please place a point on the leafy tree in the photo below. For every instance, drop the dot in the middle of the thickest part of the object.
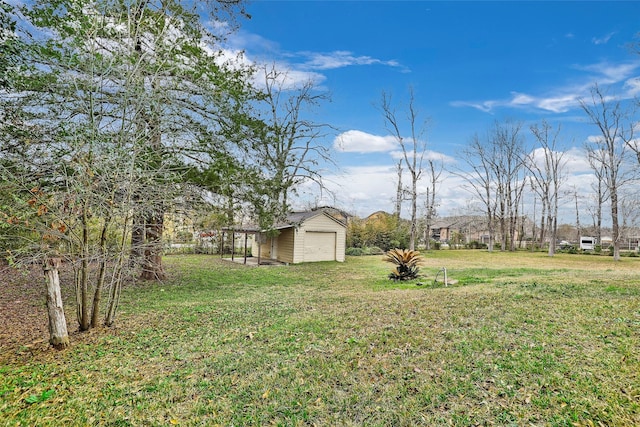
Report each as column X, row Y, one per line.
column 9, row 46
column 380, row 230
column 119, row 101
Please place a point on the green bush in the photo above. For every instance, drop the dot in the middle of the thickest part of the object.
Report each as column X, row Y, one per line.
column 476, row 245
column 374, row 250
column 357, row 251
column 354, row 251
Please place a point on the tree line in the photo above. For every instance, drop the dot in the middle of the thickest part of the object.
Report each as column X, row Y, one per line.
column 500, row 167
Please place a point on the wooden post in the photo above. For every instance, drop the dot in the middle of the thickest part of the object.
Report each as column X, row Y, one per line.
column 259, row 245
column 222, row 245
column 58, row 334
column 246, row 238
column 233, row 244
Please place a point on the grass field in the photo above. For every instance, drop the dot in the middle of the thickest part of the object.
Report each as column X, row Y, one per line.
column 521, row 339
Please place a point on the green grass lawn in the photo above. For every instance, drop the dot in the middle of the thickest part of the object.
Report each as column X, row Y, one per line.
column 521, row 339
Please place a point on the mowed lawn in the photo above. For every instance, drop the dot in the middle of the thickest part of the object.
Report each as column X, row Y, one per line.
column 521, row 339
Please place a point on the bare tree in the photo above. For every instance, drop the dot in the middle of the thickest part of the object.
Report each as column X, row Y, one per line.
column 600, row 194
column 609, row 150
column 434, row 171
column 496, row 175
column 413, row 150
column 509, row 168
column 480, row 181
column 546, row 167
column 286, row 145
column 576, row 199
column 630, row 214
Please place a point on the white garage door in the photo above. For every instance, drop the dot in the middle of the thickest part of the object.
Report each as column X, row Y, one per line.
column 319, row 246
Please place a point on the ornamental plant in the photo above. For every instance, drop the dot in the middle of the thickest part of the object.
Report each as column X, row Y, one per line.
column 407, row 263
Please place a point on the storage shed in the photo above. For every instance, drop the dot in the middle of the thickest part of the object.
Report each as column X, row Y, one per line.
column 309, row 236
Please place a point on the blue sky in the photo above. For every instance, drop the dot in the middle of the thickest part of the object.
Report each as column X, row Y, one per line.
column 469, row 63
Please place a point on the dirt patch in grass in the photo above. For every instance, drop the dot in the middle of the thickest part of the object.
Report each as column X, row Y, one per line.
column 23, row 322
column 23, row 309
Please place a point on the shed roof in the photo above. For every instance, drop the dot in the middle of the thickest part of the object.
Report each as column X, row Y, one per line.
column 293, row 219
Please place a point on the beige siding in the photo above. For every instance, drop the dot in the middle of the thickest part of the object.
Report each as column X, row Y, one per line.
column 265, row 250
column 320, row 224
column 285, row 245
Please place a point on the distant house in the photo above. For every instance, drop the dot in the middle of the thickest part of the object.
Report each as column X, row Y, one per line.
column 470, row 228
column 309, row 236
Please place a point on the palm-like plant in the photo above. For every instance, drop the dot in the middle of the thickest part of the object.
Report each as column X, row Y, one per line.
column 407, row 263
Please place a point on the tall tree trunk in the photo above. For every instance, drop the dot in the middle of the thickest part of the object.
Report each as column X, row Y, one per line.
column 58, row 334
column 578, row 228
column 414, row 213
column 543, row 221
column 97, row 295
column 116, row 283
column 152, row 267
column 553, row 224
column 399, row 191
column 615, row 224
column 82, row 277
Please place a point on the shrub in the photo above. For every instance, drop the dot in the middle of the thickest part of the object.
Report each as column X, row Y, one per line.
column 374, row 250
column 407, row 263
column 476, row 245
column 354, row 251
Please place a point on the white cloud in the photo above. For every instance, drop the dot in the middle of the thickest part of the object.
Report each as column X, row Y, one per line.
column 288, row 79
column 363, row 190
column 300, row 67
column 428, row 155
column 566, row 98
column 560, row 103
column 632, row 86
column 340, row 59
column 603, row 40
column 355, row 141
column 607, row 73
column 521, row 98
column 485, row 106
column 576, row 161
